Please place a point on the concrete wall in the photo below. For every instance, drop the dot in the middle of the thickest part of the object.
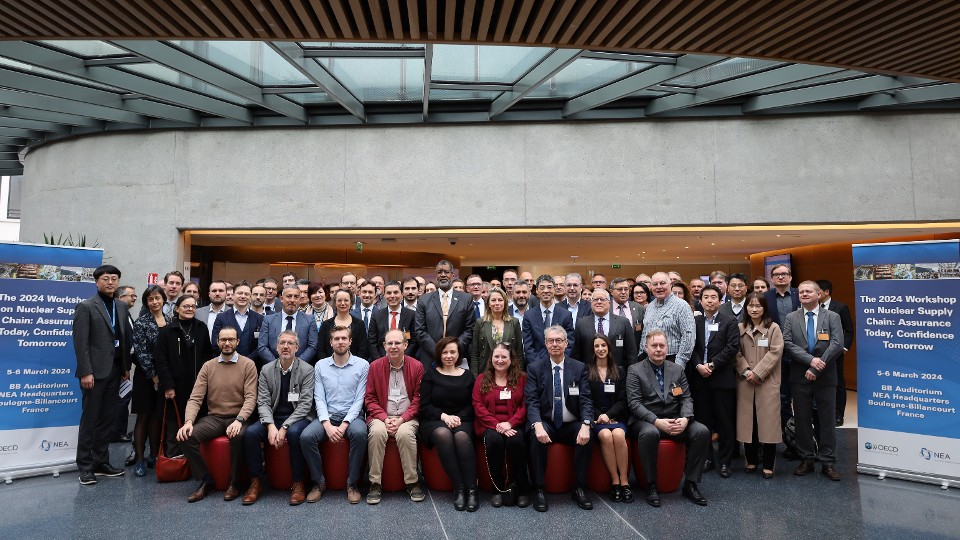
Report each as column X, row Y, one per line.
column 133, row 191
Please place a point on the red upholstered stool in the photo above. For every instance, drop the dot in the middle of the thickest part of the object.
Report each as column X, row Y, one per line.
column 216, row 454
column 433, row 471
column 483, row 475
column 279, row 473
column 336, row 463
column 598, row 477
column 559, row 474
column 392, row 477
column 671, row 458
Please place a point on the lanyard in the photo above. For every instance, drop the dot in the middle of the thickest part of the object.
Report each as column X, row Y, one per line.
column 113, row 315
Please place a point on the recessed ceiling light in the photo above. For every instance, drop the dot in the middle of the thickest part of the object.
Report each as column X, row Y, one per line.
column 678, row 257
column 713, row 243
column 686, row 247
column 778, row 236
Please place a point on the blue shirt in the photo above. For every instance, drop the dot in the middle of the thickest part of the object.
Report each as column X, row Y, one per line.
column 339, row 390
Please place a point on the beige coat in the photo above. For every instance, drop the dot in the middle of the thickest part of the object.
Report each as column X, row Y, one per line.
column 765, row 363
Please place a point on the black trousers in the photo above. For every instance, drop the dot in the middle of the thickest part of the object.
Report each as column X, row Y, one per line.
column 696, row 437
column 841, row 388
column 804, row 396
column 99, row 409
column 501, row 449
column 565, row 434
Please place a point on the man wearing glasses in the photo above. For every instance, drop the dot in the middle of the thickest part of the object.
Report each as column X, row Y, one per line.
column 475, row 289
column 673, row 317
column 782, row 300
column 599, row 281
column 615, row 327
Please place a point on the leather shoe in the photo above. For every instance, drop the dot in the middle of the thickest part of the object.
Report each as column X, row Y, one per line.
column 540, row 501
column 316, row 492
column 202, row 491
column 232, row 493
column 790, row 454
column 523, row 500
column 298, row 494
column 496, row 500
column 253, row 492
column 105, row 469
column 87, row 478
column 353, row 495
column 653, row 496
column 460, row 499
column 725, row 471
column 831, row 473
column 616, row 495
column 805, row 468
column 691, row 492
column 580, row 497
column 839, row 421
column 473, row 499
column 627, row 493
column 708, row 465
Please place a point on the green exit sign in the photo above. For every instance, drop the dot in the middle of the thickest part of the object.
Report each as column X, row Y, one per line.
column 614, row 266
column 491, row 268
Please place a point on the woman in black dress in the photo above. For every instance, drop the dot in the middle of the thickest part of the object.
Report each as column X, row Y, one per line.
column 446, row 416
column 143, row 403
column 343, row 301
column 609, row 391
column 182, row 348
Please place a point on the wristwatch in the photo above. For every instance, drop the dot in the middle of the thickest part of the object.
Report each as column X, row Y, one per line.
column 241, row 419
column 587, row 422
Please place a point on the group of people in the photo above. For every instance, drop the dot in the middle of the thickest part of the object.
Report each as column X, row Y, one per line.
column 469, row 363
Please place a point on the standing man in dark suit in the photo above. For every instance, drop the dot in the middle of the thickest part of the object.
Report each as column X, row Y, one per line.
column 443, row 313
column 245, row 321
column 783, row 299
column 623, row 306
column 392, row 317
column 541, row 316
column 474, row 284
column 601, row 321
column 577, row 307
column 736, row 304
column 289, row 319
column 102, row 337
column 812, row 340
column 710, row 372
column 846, row 321
column 217, row 293
column 559, row 409
column 660, row 406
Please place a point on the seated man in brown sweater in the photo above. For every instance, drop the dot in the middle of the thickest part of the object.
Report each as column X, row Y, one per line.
column 229, row 384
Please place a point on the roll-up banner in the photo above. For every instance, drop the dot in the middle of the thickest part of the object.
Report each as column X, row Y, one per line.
column 40, row 396
column 908, row 359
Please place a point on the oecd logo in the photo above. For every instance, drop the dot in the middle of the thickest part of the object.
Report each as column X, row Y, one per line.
column 925, row 454
column 868, row 445
column 881, row 448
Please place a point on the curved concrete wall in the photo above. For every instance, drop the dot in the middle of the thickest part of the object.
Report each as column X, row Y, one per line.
column 133, row 191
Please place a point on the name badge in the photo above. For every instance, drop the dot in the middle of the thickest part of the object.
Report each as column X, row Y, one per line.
column 116, row 343
column 638, row 327
column 256, row 334
column 619, row 343
column 574, row 390
column 293, row 397
column 505, row 393
column 609, row 388
column 407, row 335
column 763, row 343
column 395, row 394
column 713, row 327
column 823, row 336
column 676, row 391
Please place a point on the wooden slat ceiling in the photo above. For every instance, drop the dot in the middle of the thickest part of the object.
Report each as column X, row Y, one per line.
column 915, row 37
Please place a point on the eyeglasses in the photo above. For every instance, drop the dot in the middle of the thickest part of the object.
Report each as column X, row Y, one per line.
column 781, row 274
column 622, row 289
column 290, row 343
column 556, row 340
column 227, row 339
column 600, row 300
column 188, row 306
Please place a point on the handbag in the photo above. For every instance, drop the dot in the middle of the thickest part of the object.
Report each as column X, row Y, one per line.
column 171, row 469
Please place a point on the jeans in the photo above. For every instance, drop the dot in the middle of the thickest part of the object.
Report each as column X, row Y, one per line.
column 256, row 435
column 314, row 434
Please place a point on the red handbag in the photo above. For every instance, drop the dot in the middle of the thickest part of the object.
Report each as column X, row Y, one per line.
column 171, row 469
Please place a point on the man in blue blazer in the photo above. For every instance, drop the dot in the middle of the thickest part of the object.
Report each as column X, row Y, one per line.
column 245, row 321
column 289, row 318
column 782, row 299
column 559, row 409
column 543, row 314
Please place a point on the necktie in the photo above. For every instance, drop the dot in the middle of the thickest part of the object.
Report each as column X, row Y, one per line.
column 445, row 306
column 476, row 310
column 366, row 318
column 659, row 372
column 706, row 341
column 289, row 327
column 557, row 398
column 811, row 333
column 393, row 320
column 600, row 325
column 546, row 319
column 620, row 310
column 268, row 309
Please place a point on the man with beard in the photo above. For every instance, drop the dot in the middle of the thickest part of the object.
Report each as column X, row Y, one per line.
column 443, row 313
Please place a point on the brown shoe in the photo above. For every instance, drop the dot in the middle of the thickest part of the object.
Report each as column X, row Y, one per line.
column 805, row 468
column 204, row 489
column 253, row 492
column 831, row 473
column 232, row 493
column 297, row 494
column 316, row 492
column 353, row 495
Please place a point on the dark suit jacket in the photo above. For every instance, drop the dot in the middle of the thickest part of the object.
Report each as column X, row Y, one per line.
column 380, row 325
column 270, row 331
column 727, row 309
column 647, row 403
column 618, row 328
column 481, row 345
column 846, row 321
column 771, row 297
column 618, row 399
column 721, row 351
column 249, row 336
column 534, row 346
column 583, row 309
column 93, row 338
column 795, row 346
column 538, row 392
column 428, row 324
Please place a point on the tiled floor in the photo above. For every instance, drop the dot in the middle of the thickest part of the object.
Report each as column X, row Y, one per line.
column 744, row 506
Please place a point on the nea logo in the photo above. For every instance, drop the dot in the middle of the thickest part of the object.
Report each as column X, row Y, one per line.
column 928, row 455
column 46, row 445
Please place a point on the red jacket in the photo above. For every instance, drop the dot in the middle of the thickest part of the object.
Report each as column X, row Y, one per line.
column 486, row 406
column 378, row 382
